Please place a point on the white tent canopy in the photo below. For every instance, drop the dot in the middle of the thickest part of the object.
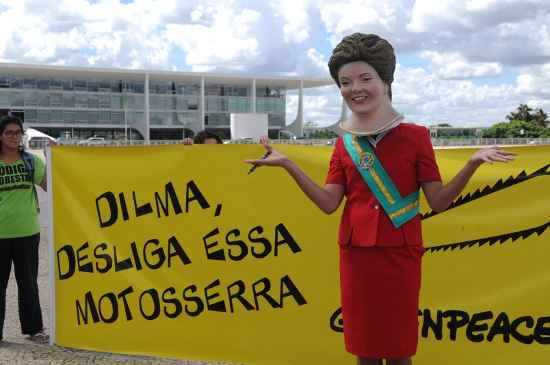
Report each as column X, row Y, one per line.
column 33, row 135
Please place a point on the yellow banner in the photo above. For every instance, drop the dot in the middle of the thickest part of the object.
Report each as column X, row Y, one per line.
column 176, row 251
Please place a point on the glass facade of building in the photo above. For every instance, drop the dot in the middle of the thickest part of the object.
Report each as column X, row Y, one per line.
column 83, row 107
column 222, row 100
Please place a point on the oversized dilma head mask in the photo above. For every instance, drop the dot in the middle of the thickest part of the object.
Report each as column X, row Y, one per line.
column 369, row 48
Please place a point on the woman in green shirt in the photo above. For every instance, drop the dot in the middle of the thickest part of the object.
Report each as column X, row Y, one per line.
column 19, row 226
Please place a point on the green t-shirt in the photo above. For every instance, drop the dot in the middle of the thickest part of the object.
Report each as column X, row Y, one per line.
column 18, row 206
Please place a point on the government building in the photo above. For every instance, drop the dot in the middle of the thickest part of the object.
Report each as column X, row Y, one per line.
column 78, row 103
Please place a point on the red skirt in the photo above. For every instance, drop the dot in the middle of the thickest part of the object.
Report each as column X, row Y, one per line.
column 380, row 287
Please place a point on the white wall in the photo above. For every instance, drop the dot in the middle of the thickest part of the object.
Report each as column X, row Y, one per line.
column 248, row 125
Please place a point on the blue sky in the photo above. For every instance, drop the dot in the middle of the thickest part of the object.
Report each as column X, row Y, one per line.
column 463, row 62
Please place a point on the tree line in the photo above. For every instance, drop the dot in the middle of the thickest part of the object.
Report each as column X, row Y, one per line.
column 525, row 122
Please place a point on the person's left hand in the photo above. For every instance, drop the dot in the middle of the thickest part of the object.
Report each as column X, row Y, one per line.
column 492, row 154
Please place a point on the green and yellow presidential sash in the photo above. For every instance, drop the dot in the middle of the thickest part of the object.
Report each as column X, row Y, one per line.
column 399, row 209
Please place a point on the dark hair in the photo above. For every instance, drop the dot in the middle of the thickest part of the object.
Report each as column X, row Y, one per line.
column 202, row 136
column 9, row 119
column 369, row 48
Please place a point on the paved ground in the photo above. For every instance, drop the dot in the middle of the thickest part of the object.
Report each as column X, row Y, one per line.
column 17, row 350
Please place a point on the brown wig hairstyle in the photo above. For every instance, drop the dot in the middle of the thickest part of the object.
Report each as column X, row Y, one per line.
column 369, row 48
column 9, row 119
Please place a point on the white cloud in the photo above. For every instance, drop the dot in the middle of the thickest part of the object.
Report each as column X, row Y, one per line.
column 427, row 15
column 535, row 81
column 227, row 40
column 461, row 40
column 296, row 26
column 318, row 59
column 512, row 32
column 371, row 16
column 78, row 32
column 426, row 99
column 454, row 66
column 470, row 15
column 476, row 5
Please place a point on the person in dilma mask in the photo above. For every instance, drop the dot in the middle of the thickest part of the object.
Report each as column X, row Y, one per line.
column 380, row 165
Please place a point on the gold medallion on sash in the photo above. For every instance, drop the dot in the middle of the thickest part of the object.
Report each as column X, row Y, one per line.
column 366, row 161
column 366, row 158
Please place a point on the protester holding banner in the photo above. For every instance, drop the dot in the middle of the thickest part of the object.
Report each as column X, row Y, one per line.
column 379, row 164
column 19, row 225
column 204, row 137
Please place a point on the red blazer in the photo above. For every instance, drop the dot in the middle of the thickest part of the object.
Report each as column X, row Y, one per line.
column 407, row 155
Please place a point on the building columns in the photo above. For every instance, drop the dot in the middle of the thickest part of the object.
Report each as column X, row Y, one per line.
column 297, row 127
column 253, row 97
column 202, row 105
column 147, row 134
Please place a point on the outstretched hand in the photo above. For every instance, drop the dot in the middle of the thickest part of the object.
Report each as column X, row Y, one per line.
column 272, row 157
column 492, row 154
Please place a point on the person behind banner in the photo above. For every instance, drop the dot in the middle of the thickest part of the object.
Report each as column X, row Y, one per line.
column 204, row 137
column 379, row 164
column 19, row 226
